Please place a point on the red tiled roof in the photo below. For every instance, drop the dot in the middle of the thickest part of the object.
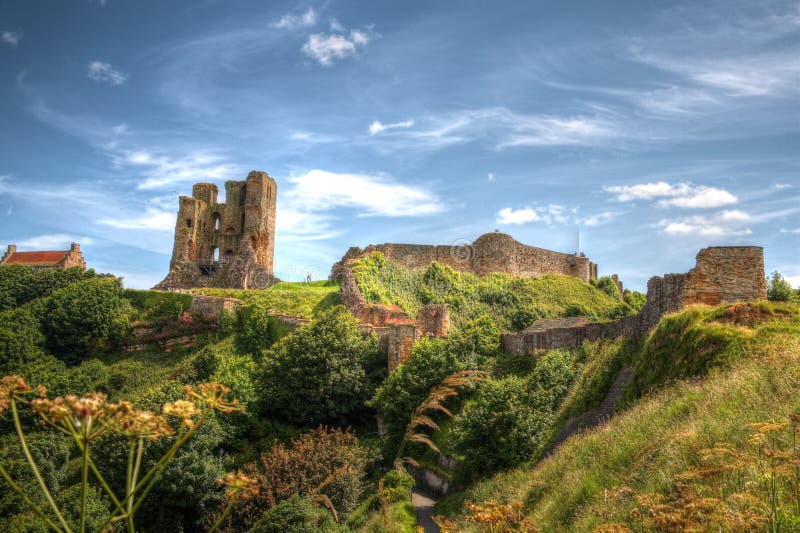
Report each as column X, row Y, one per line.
column 36, row 258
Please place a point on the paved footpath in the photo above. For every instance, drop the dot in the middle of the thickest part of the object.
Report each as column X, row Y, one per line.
column 423, row 507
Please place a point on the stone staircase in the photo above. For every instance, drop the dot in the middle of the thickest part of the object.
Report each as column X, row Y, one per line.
column 597, row 416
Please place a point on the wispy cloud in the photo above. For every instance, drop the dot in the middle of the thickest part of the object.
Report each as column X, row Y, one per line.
column 328, row 48
column 53, row 241
column 153, row 219
column 550, row 215
column 683, row 195
column 492, row 177
column 378, row 127
column 104, row 72
column 502, row 128
column 11, row 38
column 163, row 170
column 293, row 21
column 508, row 215
column 721, row 224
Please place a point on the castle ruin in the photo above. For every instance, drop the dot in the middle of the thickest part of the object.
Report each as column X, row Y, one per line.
column 491, row 252
column 722, row 274
column 226, row 245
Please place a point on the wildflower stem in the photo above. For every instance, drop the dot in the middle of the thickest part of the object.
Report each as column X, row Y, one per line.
column 84, row 483
column 225, row 513
column 129, row 484
column 36, row 473
column 16, row 488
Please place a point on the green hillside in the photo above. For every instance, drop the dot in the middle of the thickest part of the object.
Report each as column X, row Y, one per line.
column 718, row 453
column 294, row 298
column 514, row 303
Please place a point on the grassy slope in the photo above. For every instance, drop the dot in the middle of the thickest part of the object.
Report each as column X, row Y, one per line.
column 296, row 298
column 661, row 435
column 500, row 295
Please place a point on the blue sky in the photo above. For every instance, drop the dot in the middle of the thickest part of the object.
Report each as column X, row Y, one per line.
column 655, row 128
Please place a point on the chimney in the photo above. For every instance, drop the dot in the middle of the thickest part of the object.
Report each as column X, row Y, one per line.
column 11, row 249
column 75, row 248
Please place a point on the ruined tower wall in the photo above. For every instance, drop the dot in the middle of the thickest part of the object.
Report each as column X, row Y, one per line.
column 228, row 244
column 721, row 275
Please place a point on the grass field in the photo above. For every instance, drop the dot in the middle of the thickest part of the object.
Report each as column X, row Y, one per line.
column 296, row 298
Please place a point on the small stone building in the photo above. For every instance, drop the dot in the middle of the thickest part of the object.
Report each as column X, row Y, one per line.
column 45, row 259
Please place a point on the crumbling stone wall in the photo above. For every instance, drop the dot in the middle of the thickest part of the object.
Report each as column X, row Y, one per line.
column 229, row 245
column 396, row 330
column 491, row 252
column 211, row 306
column 723, row 274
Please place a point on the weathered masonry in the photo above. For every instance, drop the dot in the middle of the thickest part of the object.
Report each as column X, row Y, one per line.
column 723, row 274
column 229, row 245
column 491, row 252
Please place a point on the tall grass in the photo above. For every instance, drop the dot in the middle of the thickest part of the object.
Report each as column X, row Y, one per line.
column 647, row 449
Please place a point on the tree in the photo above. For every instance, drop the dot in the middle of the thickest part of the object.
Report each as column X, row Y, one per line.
column 320, row 372
column 20, row 338
column 259, row 330
column 609, row 286
column 83, row 315
column 634, row 298
column 778, row 289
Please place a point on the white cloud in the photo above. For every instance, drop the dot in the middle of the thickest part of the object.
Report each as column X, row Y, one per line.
column 378, row 127
column 683, row 195
column 794, row 281
column 599, row 219
column 290, row 22
column 11, row 38
column 784, row 230
column 104, row 72
column 319, row 190
column 153, row 219
column 781, row 186
column 492, row 177
column 508, row 215
column 503, row 128
column 53, row 241
column 721, row 224
column 327, row 48
column 161, row 170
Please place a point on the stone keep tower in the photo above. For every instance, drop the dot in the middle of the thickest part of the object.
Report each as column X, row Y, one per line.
column 228, row 245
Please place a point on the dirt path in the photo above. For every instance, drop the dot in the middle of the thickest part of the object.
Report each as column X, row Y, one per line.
column 423, row 507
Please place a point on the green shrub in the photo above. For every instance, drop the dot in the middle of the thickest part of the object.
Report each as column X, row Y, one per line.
column 259, row 330
column 227, row 322
column 87, row 314
column 609, row 286
column 778, row 289
column 319, row 373
column 510, row 418
column 634, row 298
column 21, row 338
column 158, row 304
column 296, row 515
column 21, row 284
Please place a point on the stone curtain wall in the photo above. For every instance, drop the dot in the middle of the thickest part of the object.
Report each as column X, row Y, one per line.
column 242, row 230
column 492, row 252
column 211, row 306
column 722, row 274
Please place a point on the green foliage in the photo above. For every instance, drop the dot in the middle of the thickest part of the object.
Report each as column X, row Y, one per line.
column 227, row 322
column 663, row 442
column 319, row 373
column 609, row 286
column 87, row 314
column 513, row 303
column 21, row 284
column 296, row 515
column 396, row 494
column 21, row 338
column 685, row 344
column 259, row 330
column 300, row 298
column 779, row 290
column 408, row 385
column 634, row 298
column 156, row 304
column 509, row 418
